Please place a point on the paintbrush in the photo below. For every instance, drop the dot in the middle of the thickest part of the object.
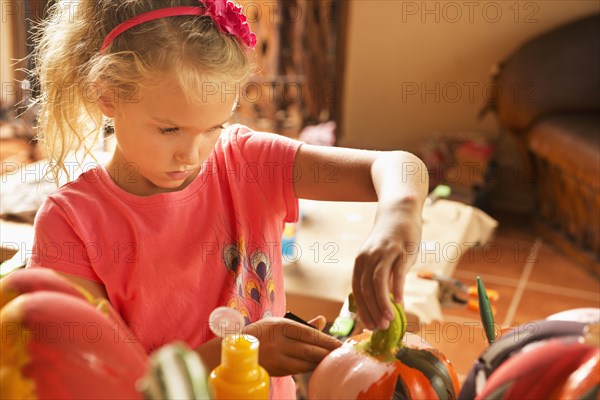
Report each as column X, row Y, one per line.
column 485, row 310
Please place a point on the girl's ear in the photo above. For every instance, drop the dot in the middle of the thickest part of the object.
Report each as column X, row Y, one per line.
column 107, row 101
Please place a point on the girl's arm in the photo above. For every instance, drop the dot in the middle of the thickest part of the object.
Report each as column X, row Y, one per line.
column 399, row 182
column 95, row 289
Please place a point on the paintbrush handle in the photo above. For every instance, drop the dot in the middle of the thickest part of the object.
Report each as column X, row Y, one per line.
column 485, row 311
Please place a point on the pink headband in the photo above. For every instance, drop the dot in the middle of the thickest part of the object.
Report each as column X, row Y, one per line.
column 227, row 17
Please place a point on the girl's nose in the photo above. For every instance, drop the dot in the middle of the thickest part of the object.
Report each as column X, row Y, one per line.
column 188, row 154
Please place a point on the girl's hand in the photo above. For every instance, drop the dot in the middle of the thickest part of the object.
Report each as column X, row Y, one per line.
column 288, row 347
column 389, row 251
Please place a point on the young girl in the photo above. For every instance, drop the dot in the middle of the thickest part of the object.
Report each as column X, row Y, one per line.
column 189, row 212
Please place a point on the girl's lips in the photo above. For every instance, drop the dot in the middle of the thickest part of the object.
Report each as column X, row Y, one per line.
column 179, row 175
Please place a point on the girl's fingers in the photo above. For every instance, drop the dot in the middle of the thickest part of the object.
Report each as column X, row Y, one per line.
column 364, row 307
column 292, row 365
column 370, row 301
column 397, row 279
column 299, row 333
column 384, row 308
column 357, row 290
column 307, row 352
column 318, row 322
column 300, row 357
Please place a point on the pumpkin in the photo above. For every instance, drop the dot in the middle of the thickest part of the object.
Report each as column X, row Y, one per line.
column 43, row 279
column 175, row 372
column 35, row 279
column 541, row 372
column 385, row 364
column 60, row 342
column 567, row 325
column 586, row 315
column 511, row 343
column 584, row 382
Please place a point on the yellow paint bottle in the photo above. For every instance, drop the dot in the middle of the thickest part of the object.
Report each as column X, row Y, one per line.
column 239, row 376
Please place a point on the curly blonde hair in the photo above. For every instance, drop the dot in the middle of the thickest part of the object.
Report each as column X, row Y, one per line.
column 189, row 50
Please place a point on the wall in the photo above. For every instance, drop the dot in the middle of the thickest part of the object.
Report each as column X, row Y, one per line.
column 13, row 47
column 6, row 51
column 418, row 67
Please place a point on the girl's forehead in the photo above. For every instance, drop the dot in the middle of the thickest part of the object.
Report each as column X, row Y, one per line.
column 170, row 104
column 205, row 94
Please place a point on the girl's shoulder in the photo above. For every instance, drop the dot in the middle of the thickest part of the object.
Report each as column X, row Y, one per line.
column 231, row 134
column 86, row 185
column 74, row 200
column 239, row 132
column 246, row 140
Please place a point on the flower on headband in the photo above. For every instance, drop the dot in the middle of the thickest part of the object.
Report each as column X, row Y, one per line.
column 229, row 18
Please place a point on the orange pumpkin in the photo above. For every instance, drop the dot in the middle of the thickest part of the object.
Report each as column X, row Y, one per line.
column 59, row 342
column 584, row 382
column 33, row 280
column 385, row 365
column 526, row 337
column 541, row 373
column 43, row 279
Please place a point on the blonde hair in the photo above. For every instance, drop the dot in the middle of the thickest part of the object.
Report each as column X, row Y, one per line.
column 70, row 70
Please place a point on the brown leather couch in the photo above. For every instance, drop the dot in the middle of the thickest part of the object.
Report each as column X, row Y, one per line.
column 549, row 98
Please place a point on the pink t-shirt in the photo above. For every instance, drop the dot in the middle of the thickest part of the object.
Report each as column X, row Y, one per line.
column 169, row 259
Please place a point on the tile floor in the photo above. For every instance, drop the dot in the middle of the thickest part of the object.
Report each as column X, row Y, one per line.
column 534, row 280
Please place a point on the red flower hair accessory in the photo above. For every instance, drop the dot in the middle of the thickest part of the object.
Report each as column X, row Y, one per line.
column 228, row 18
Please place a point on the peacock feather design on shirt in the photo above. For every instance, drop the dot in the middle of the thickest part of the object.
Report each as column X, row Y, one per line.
column 251, row 289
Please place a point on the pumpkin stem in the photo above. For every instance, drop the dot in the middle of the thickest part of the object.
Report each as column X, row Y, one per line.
column 385, row 343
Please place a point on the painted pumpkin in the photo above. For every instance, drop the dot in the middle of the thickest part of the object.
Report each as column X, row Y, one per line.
column 175, row 372
column 33, row 280
column 385, row 364
column 512, row 343
column 43, row 279
column 584, row 382
column 586, row 315
column 541, row 372
column 59, row 342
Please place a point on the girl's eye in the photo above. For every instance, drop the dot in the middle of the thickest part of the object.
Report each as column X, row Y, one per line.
column 166, row 131
column 217, row 128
